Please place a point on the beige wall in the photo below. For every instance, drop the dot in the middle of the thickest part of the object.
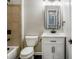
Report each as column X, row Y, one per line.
column 14, row 24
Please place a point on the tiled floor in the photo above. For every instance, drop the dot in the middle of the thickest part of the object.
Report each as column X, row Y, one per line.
column 36, row 57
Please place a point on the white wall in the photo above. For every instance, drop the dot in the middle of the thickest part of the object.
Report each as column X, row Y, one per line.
column 67, row 28
column 34, row 17
column 67, row 18
column 33, row 20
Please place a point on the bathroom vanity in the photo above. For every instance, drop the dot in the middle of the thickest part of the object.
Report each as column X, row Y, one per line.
column 53, row 45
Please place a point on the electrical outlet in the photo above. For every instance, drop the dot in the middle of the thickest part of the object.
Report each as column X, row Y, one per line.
column 8, row 31
column 8, row 0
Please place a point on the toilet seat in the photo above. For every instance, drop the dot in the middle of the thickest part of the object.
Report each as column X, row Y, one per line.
column 27, row 52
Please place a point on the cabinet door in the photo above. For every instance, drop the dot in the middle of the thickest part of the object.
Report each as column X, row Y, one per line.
column 47, row 51
column 59, row 52
column 53, row 51
column 68, row 49
column 69, row 52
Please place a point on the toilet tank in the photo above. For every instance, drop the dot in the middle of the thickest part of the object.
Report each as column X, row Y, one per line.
column 31, row 41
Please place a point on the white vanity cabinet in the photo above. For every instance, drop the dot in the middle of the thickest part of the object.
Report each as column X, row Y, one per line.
column 53, row 47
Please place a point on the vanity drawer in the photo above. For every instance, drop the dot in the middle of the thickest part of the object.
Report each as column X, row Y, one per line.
column 57, row 40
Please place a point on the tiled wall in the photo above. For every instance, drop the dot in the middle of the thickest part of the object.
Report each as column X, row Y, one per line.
column 14, row 24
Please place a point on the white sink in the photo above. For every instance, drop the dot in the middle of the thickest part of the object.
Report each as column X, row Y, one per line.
column 46, row 34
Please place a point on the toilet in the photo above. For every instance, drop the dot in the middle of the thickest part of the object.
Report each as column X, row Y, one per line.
column 28, row 52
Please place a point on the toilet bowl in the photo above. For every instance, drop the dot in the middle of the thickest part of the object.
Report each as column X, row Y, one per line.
column 28, row 52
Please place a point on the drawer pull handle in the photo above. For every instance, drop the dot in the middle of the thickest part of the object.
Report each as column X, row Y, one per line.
column 52, row 41
column 53, row 49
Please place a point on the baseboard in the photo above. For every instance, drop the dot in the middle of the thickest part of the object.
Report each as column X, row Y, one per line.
column 37, row 53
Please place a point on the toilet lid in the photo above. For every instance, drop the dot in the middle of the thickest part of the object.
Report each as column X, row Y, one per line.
column 26, row 51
